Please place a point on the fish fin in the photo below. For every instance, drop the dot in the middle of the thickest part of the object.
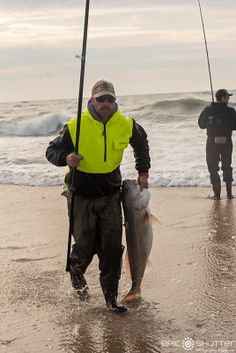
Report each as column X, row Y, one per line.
column 154, row 220
column 148, row 266
column 149, row 217
column 127, row 265
column 132, row 297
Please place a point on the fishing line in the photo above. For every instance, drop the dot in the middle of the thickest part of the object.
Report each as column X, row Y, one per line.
column 207, row 54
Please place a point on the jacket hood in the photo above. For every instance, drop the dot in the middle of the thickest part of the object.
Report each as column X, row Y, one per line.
column 219, row 104
column 93, row 112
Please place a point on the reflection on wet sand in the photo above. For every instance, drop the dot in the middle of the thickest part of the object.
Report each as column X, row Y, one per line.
column 91, row 328
column 216, row 288
column 188, row 293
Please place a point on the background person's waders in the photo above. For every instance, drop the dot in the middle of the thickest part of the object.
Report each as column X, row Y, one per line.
column 216, row 153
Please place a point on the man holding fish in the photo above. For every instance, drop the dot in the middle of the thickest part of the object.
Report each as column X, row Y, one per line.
column 104, row 135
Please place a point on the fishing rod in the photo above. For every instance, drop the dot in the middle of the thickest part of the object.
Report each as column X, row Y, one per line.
column 207, row 54
column 82, row 57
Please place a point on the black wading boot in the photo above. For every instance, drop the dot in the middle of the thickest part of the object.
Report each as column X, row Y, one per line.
column 216, row 189
column 79, row 284
column 229, row 190
column 113, row 305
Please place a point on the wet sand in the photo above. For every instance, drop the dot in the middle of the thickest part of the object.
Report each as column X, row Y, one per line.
column 190, row 292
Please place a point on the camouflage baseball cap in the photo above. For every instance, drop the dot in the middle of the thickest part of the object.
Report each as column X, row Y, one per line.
column 102, row 88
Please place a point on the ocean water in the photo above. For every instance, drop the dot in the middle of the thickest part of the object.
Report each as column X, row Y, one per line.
column 177, row 144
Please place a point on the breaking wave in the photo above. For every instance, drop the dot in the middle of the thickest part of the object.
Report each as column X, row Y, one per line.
column 40, row 126
column 183, row 106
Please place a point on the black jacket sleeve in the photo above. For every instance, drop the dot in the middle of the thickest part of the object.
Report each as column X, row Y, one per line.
column 233, row 118
column 140, row 146
column 59, row 148
column 203, row 118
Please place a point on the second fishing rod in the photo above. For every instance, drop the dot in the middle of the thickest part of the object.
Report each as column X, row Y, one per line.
column 207, row 52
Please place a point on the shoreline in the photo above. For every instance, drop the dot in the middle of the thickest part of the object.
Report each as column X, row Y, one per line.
column 189, row 292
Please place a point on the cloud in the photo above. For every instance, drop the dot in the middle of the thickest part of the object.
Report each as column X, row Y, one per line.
column 144, row 25
column 134, row 39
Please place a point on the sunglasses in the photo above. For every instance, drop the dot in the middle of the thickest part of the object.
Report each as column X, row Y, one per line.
column 103, row 99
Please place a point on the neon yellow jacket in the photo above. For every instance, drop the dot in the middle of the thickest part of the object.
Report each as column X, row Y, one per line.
column 101, row 145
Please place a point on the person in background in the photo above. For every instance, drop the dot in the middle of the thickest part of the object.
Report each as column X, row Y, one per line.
column 104, row 135
column 219, row 120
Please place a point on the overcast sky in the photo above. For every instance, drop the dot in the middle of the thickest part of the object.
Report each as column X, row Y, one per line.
column 142, row 46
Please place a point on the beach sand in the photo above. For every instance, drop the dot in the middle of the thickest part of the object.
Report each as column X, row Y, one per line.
column 190, row 292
